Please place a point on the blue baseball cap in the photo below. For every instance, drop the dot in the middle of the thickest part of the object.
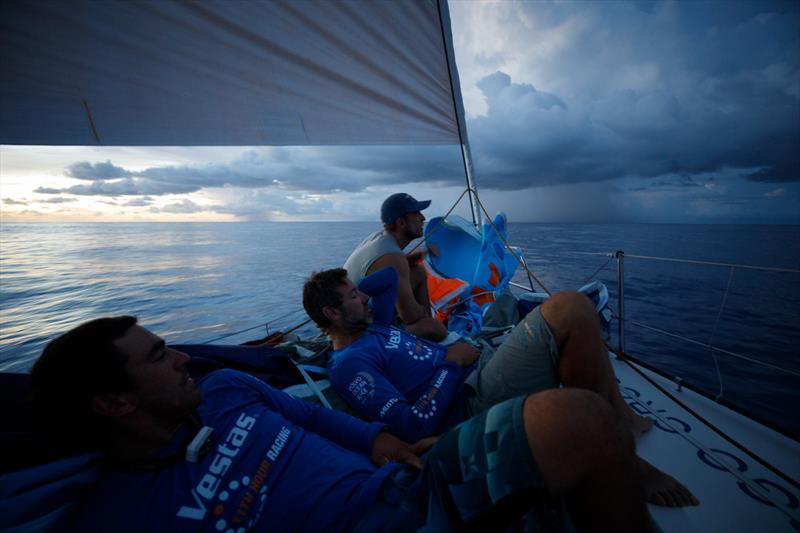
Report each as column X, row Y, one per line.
column 400, row 204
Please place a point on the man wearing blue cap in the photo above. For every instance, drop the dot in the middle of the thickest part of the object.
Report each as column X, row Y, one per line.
column 403, row 222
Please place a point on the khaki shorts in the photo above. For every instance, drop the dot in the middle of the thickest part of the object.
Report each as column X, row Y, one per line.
column 526, row 363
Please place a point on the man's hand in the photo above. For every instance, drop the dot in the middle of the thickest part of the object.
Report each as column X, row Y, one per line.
column 462, row 353
column 386, row 447
column 416, row 255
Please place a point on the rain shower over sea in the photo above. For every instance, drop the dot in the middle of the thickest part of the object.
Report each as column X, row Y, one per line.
column 197, row 282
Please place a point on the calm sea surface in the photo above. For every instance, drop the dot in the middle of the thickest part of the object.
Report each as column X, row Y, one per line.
column 196, row 282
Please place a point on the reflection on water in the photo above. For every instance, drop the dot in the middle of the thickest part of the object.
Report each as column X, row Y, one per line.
column 189, row 281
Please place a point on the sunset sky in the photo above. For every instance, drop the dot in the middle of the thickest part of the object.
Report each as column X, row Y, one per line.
column 577, row 112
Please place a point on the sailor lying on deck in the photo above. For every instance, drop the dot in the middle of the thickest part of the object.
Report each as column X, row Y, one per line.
column 421, row 388
column 278, row 463
column 403, row 222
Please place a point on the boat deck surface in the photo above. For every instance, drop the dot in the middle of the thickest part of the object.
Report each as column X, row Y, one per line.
column 736, row 493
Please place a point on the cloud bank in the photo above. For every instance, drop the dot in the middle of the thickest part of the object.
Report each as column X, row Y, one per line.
column 665, row 103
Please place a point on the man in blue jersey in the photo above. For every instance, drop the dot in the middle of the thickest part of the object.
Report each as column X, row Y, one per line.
column 421, row 388
column 275, row 463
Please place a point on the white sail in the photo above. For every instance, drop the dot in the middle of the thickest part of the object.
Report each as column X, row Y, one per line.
column 226, row 73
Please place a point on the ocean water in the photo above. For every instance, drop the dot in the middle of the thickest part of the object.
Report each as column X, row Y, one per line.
column 197, row 282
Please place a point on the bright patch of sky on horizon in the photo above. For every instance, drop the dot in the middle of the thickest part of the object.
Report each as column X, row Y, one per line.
column 577, row 112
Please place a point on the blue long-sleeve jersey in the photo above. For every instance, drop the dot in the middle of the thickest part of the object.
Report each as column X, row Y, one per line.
column 277, row 464
column 394, row 377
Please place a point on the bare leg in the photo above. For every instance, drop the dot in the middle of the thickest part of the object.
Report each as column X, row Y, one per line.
column 583, row 358
column 586, row 455
column 427, row 327
column 419, row 285
column 583, row 362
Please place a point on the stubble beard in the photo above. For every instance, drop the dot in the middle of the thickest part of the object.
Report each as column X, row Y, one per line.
column 358, row 325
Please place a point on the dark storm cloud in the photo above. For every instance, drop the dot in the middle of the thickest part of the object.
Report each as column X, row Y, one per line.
column 676, row 88
column 310, row 169
column 264, row 204
column 252, row 205
column 84, row 170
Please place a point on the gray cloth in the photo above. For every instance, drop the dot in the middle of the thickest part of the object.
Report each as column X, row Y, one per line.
column 503, row 311
column 373, row 247
column 526, row 363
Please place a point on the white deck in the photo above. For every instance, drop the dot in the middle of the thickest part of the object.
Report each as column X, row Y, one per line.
column 736, row 493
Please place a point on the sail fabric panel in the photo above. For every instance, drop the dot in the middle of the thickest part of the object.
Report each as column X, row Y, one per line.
column 79, row 72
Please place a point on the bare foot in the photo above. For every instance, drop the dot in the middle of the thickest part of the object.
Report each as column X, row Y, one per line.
column 663, row 489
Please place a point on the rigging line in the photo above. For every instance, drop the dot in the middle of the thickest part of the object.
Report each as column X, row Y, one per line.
column 702, row 419
column 441, row 221
column 608, row 254
column 714, row 331
column 694, row 261
column 734, row 472
column 598, row 270
column 712, row 263
column 215, row 339
column 727, row 352
column 298, row 326
column 508, row 246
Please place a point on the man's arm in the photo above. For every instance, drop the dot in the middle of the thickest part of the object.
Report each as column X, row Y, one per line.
column 336, row 426
column 408, row 308
column 381, row 286
column 366, row 389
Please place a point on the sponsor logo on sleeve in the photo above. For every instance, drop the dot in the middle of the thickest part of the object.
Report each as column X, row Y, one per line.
column 362, row 387
column 388, row 405
column 426, row 406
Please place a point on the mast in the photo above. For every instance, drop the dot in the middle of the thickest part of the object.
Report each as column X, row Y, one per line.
column 458, row 110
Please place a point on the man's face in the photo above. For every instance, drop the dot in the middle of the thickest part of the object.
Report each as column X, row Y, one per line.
column 355, row 312
column 163, row 386
column 415, row 222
